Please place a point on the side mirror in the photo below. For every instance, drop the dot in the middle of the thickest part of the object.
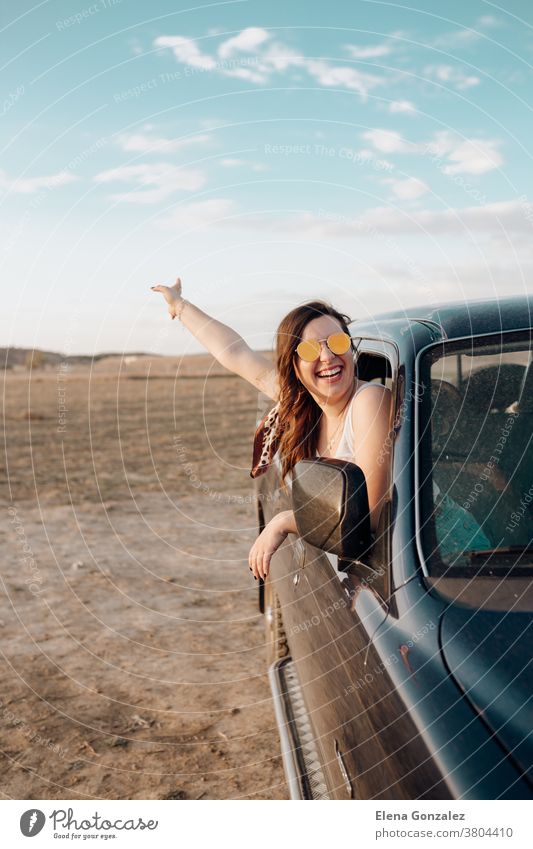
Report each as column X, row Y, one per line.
column 330, row 503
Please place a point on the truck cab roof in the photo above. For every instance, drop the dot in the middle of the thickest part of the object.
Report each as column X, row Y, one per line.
column 458, row 318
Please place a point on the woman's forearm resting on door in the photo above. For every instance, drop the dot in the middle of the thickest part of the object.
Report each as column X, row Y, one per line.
column 268, row 542
column 287, row 521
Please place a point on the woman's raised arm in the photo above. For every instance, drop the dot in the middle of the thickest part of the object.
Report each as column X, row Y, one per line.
column 222, row 342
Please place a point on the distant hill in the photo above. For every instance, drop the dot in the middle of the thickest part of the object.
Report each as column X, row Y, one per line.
column 129, row 364
column 10, row 357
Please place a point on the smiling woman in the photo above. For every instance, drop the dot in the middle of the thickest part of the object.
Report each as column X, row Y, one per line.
column 320, row 408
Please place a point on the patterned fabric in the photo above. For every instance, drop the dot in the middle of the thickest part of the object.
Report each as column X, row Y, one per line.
column 266, row 442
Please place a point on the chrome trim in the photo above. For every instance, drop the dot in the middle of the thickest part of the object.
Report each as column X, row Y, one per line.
column 430, row 323
column 343, row 770
column 301, row 760
column 384, row 342
column 290, row 765
column 299, row 553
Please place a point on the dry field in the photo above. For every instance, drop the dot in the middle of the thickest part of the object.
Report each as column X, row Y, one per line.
column 133, row 662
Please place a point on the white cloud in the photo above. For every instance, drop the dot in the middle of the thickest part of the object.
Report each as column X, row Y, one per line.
column 488, row 21
column 461, row 156
column 247, row 73
column 186, row 51
column 278, row 57
column 388, row 141
column 466, row 156
column 456, row 39
column 268, row 59
column 405, row 107
column 489, row 220
column 366, row 155
column 194, row 216
column 139, row 143
column 474, row 156
column 135, row 46
column 465, row 36
column 245, row 42
column 341, row 76
column 409, row 188
column 369, row 52
column 230, row 162
column 30, row 185
column 158, row 181
column 451, row 75
column 453, row 280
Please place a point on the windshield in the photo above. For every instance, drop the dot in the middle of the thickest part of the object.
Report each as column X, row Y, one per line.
column 476, row 457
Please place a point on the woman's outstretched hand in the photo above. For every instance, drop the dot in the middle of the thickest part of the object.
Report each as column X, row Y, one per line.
column 171, row 294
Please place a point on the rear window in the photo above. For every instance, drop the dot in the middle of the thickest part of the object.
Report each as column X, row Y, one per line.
column 475, row 457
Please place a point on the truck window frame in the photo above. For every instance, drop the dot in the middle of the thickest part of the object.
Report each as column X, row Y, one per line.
column 376, row 348
column 422, row 441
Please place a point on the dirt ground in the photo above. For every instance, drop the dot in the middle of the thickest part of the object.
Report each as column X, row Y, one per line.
column 133, row 660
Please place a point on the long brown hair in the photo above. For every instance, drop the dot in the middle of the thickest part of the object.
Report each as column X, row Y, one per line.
column 298, row 411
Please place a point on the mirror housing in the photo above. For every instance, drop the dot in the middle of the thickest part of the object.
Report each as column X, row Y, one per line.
column 330, row 504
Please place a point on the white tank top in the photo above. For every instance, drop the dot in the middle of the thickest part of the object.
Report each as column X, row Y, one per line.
column 345, row 448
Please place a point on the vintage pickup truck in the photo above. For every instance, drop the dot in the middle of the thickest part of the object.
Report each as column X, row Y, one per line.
column 401, row 663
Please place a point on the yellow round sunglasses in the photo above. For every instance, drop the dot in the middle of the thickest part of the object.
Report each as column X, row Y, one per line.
column 309, row 349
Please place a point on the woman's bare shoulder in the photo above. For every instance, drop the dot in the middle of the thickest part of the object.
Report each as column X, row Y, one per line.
column 363, row 384
column 361, row 400
column 370, row 414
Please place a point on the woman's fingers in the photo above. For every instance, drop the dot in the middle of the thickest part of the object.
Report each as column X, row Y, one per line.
column 165, row 291
column 261, row 564
column 171, row 295
column 252, row 561
column 265, row 564
column 175, row 290
column 160, row 287
column 259, row 561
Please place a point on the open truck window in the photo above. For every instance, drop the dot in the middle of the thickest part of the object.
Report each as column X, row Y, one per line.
column 476, row 458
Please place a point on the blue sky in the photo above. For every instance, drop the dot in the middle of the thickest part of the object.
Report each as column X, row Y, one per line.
column 372, row 153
